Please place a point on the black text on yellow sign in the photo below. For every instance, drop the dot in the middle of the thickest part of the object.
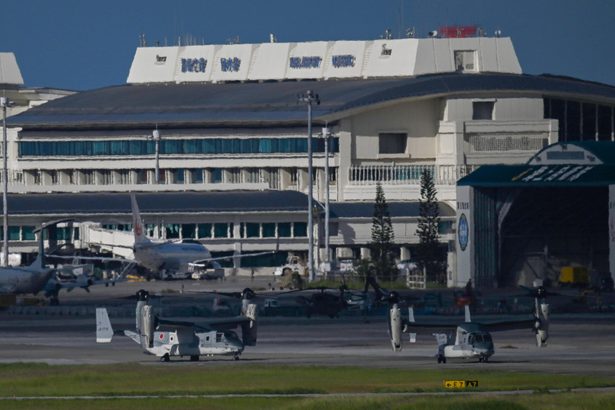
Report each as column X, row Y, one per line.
column 459, row 384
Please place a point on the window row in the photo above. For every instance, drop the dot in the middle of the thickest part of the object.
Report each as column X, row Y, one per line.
column 173, row 147
column 220, row 230
column 26, row 233
column 581, row 120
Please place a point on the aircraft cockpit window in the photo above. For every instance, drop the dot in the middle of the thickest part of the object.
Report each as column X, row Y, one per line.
column 479, row 338
column 471, row 339
column 218, row 337
column 487, row 337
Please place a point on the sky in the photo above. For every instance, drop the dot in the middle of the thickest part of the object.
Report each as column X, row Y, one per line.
column 87, row 44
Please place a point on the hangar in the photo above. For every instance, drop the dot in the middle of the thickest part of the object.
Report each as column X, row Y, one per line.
column 517, row 223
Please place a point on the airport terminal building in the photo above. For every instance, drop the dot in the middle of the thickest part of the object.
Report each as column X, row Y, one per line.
column 227, row 119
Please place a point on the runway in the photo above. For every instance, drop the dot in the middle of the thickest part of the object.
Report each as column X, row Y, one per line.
column 578, row 343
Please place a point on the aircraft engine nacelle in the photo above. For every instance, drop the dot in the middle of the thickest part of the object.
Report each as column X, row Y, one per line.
column 249, row 329
column 395, row 327
column 147, row 329
column 542, row 324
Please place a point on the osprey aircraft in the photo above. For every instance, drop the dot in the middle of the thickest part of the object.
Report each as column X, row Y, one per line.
column 166, row 338
column 472, row 340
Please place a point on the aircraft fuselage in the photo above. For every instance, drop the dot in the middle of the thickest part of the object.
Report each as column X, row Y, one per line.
column 170, row 259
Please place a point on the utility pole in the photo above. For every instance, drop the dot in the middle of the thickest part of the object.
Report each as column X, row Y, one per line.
column 310, row 98
column 4, row 102
column 326, row 133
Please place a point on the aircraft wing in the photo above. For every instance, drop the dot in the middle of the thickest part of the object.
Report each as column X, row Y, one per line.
column 91, row 258
column 509, row 325
column 426, row 327
column 223, row 323
column 202, row 262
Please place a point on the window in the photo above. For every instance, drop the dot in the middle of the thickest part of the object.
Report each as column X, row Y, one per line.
column 53, row 176
column 465, row 60
column 604, row 123
column 14, row 233
column 392, row 143
column 268, row 230
column 300, row 229
column 233, row 176
column 141, row 176
column 87, row 177
column 589, row 121
column 252, row 175
column 252, row 230
column 123, row 176
column 28, row 233
column 177, row 176
column 293, row 176
column 188, row 231
column 196, row 176
column 204, row 230
column 104, row 177
column 221, row 230
column 216, row 175
column 172, row 231
column 284, row 230
column 482, row 110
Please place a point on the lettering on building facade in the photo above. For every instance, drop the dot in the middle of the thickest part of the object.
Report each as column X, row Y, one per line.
column 305, row 62
column 193, row 65
column 231, row 64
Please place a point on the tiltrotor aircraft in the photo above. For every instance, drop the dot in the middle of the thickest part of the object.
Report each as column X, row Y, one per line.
column 166, row 338
column 472, row 340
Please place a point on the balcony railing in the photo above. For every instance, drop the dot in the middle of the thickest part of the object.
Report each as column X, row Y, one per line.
column 406, row 174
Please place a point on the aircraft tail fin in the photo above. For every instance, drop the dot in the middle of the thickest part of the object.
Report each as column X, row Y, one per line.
column 468, row 318
column 249, row 329
column 137, row 222
column 104, row 331
column 39, row 262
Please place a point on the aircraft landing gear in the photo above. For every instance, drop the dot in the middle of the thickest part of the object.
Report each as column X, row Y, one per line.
column 165, row 358
column 236, row 357
column 441, row 358
column 194, row 358
column 483, row 359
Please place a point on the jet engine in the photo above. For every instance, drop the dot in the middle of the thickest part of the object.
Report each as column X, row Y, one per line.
column 541, row 326
column 395, row 323
column 248, row 329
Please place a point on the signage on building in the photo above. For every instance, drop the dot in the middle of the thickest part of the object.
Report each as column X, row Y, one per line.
column 305, row 62
column 344, row 60
column 193, row 65
column 160, row 59
column 231, row 64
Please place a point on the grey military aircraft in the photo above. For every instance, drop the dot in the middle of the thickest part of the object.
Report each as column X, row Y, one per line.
column 166, row 338
column 26, row 279
column 472, row 340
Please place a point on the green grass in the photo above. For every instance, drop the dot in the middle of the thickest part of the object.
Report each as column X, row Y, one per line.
column 179, row 378
column 564, row 401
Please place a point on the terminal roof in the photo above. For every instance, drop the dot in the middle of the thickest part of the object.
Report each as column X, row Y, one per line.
column 276, row 103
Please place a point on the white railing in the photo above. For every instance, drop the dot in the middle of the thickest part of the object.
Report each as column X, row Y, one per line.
column 406, row 174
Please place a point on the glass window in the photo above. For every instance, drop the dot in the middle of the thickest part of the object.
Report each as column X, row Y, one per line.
column 28, row 233
column 216, row 175
column 172, row 231
column 284, row 230
column 221, row 230
column 204, row 230
column 188, row 231
column 300, row 229
column 482, row 110
column 392, row 142
column 196, row 176
column 14, row 233
column 465, row 60
column 573, row 121
column 252, row 230
column 141, row 176
column 604, row 123
column 268, row 230
column 589, row 121
column 178, row 176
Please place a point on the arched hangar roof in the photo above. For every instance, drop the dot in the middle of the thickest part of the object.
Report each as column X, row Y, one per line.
column 276, row 103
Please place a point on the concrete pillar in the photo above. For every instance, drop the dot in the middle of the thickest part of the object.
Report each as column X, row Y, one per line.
column 284, row 178
column 366, row 253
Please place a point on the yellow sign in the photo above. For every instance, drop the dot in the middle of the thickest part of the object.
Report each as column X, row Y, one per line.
column 459, row 384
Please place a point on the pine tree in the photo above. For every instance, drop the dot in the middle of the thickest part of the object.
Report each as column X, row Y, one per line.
column 429, row 255
column 382, row 239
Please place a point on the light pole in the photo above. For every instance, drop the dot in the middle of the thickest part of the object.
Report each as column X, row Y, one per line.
column 310, row 98
column 156, row 138
column 4, row 102
column 326, row 133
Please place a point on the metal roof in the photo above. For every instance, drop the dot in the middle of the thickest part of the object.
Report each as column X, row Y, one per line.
column 506, row 176
column 396, row 209
column 163, row 202
column 267, row 103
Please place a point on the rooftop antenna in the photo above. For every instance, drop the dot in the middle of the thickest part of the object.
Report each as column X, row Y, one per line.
column 411, row 32
column 272, row 38
column 498, row 33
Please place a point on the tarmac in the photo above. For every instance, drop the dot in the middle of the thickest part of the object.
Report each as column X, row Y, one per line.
column 579, row 343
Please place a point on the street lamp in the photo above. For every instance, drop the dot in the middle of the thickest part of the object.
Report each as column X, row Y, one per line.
column 4, row 103
column 310, row 98
column 156, row 138
column 326, row 133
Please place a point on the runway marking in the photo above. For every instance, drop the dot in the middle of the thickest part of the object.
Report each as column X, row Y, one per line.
column 317, row 395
